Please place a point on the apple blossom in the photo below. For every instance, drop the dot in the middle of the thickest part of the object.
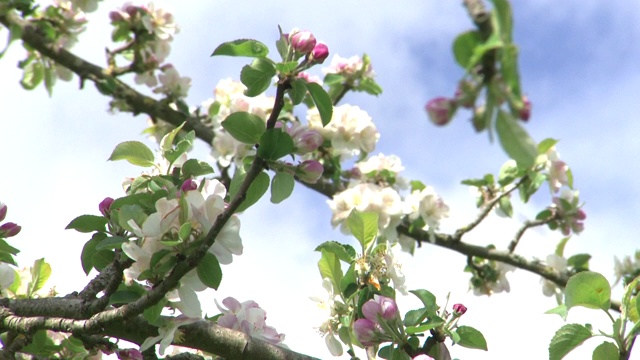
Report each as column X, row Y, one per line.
column 422, row 357
column 559, row 265
column 350, row 130
column 380, row 305
column 498, row 284
column 367, row 332
column 305, row 140
column 524, row 113
column 7, row 275
column 167, row 333
column 627, row 268
column 159, row 22
column 249, row 318
column 172, row 83
column 428, row 205
column 349, row 67
column 558, row 171
column 129, row 354
column 570, row 216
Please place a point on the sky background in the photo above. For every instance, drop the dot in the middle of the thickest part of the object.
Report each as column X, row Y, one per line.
column 579, row 66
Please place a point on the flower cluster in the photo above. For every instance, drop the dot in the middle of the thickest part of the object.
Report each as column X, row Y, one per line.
column 567, row 211
column 350, row 131
column 331, row 309
column 489, row 277
column 369, row 331
column 151, row 29
column 249, row 318
column 354, row 69
column 379, row 268
column 627, row 269
column 559, row 265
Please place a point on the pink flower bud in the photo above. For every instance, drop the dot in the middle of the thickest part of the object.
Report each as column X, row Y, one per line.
column 188, row 185
column 459, row 309
column 9, row 229
column 129, row 354
column 302, row 41
column 3, row 211
column 310, row 171
column 105, row 206
column 525, row 111
column 440, row 110
column 319, row 53
column 380, row 305
column 365, row 331
column 422, row 357
column 305, row 140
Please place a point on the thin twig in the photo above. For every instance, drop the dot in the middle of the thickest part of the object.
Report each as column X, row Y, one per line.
column 527, row 225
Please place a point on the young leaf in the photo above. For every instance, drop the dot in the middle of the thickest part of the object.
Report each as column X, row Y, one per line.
column 329, row 266
column 209, row 271
column 33, row 75
column 152, row 313
column 471, row 338
column 110, row 243
column 363, row 226
column 5, row 247
column 463, row 47
column 134, row 152
column 344, row 252
column 257, row 76
column 242, row 47
column 257, row 188
column 86, row 257
column 194, row 168
column 546, row 144
column 40, row 272
column 515, row 141
column 605, row 351
column 428, row 300
column 166, row 143
column 88, row 223
column 244, row 127
column 589, row 289
column 322, row 101
column 274, row 144
column 566, row 339
column 297, row 91
column 281, row 186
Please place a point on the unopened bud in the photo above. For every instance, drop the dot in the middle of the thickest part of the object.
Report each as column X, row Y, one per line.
column 3, row 211
column 9, row 229
column 440, row 110
column 188, row 185
column 459, row 309
column 105, row 206
column 310, row 171
column 319, row 53
column 302, row 41
column 129, row 354
column 525, row 112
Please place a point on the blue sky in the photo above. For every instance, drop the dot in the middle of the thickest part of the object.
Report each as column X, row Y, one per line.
column 578, row 66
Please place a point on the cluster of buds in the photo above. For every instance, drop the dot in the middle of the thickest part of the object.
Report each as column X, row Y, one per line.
column 567, row 213
column 381, row 321
column 309, row 171
column 7, row 229
column 304, row 43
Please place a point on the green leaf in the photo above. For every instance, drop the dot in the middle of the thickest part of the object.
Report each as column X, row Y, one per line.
column 504, row 204
column 257, row 188
column 110, row 243
column 363, row 226
column 579, row 262
column 194, row 168
column 33, row 75
column 88, row 250
column 471, row 338
column 431, row 324
column 281, row 186
column 40, row 272
column 129, row 212
column 274, row 144
column 101, row 259
column 344, row 252
column 134, row 152
column 415, row 317
column 509, row 70
column 560, row 310
column 546, row 144
column 428, row 300
column 257, row 77
column 50, row 77
column 508, row 172
column 209, row 271
column 297, row 91
column 166, row 143
column 242, row 47
column 123, row 297
column 348, row 285
column 329, row 266
column 629, row 302
column 566, row 339
column 5, row 247
column 503, row 18
column 563, row 242
column 181, row 147
column 88, row 223
column 369, row 86
column 152, row 313
column 244, row 127
column 605, row 351
column 589, row 289
column 515, row 141
column 463, row 47
column 7, row 258
column 286, row 67
column 323, row 102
